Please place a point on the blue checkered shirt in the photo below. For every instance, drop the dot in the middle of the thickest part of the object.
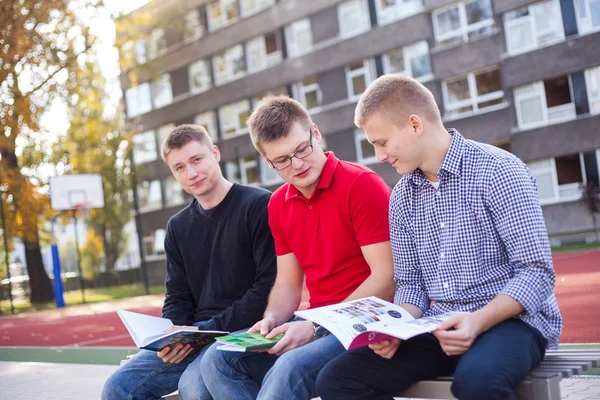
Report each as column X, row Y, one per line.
column 481, row 233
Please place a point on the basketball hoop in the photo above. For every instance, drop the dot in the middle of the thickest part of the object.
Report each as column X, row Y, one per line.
column 84, row 210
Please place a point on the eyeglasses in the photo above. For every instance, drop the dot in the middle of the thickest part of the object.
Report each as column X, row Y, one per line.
column 300, row 154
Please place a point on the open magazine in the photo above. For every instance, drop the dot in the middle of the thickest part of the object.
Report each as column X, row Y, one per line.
column 246, row 342
column 370, row 320
column 148, row 332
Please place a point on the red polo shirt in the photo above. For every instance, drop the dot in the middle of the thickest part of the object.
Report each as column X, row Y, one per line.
column 347, row 210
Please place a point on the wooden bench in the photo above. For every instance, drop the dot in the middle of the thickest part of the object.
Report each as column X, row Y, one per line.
column 542, row 384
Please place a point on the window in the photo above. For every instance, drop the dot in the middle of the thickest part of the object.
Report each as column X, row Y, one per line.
column 140, row 51
column 358, row 77
column 245, row 171
column 268, row 176
column 144, row 147
column 533, row 27
column 193, row 26
column 309, row 94
column 207, row 120
column 298, row 37
column 353, row 17
column 162, row 94
column 163, row 132
column 389, row 11
column 199, row 75
column 412, row 60
column 462, row 22
column 472, row 92
column 365, row 152
column 173, row 192
column 588, row 15
column 592, row 78
column 544, row 102
column 138, row 100
column 158, row 43
column 229, row 65
column 250, row 7
column 222, row 13
column 132, row 52
column 154, row 244
column 233, row 118
column 263, row 52
column 559, row 179
column 149, row 195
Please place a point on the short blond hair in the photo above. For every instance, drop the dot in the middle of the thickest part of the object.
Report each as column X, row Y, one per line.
column 397, row 97
column 182, row 135
column 273, row 118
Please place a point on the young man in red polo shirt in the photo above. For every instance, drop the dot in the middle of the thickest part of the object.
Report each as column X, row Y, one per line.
column 330, row 225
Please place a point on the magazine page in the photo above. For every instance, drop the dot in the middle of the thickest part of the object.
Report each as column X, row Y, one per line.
column 141, row 326
column 348, row 320
column 197, row 339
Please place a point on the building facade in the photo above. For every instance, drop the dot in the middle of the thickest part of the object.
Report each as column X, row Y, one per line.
column 523, row 75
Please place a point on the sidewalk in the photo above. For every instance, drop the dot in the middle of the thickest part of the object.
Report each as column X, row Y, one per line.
column 49, row 381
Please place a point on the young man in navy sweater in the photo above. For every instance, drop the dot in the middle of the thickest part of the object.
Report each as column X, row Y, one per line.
column 220, row 268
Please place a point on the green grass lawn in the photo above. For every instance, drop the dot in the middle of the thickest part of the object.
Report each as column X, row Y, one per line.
column 92, row 355
column 576, row 247
column 91, row 296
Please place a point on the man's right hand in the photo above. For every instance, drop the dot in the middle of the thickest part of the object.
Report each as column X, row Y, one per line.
column 175, row 355
column 387, row 348
column 264, row 326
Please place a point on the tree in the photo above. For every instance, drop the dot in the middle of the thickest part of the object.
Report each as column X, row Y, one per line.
column 39, row 43
column 591, row 198
column 91, row 255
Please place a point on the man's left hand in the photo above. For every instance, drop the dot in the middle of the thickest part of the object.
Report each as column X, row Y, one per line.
column 458, row 341
column 296, row 334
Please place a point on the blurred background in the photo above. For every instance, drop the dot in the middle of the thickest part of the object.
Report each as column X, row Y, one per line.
column 93, row 87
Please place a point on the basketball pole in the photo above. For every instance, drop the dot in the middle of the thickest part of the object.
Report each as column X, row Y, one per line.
column 81, row 280
column 5, row 239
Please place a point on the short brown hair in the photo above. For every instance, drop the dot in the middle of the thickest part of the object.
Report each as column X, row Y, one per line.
column 273, row 118
column 182, row 135
column 398, row 97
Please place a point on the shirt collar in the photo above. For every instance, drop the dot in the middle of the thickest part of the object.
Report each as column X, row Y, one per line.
column 452, row 162
column 324, row 180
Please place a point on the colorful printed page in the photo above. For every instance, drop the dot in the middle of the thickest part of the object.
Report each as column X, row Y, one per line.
column 247, row 342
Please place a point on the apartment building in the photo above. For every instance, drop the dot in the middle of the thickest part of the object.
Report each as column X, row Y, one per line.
column 522, row 75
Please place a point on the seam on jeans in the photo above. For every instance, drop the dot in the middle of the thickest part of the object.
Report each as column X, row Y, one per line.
column 232, row 362
column 151, row 375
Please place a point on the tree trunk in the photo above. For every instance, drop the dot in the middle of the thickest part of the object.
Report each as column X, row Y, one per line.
column 109, row 259
column 41, row 287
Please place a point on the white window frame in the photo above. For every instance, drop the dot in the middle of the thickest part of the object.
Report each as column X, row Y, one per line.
column 529, row 22
column 359, row 137
column 229, row 57
column 174, row 195
column 153, row 185
column 236, row 109
column 243, row 164
column 292, row 32
column 463, row 31
column 156, row 239
column 141, row 51
column 144, row 147
column 199, row 67
column 367, row 70
column 592, row 77
column 162, row 91
column 300, row 90
column 256, row 53
column 194, row 28
column 163, row 132
column 585, row 23
column 208, row 121
column 221, row 21
column 259, row 5
column 397, row 10
column 268, row 176
column 158, row 43
column 557, row 188
column 474, row 99
column 417, row 49
column 359, row 22
column 138, row 99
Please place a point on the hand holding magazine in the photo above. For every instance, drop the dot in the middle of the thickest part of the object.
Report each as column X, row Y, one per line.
column 148, row 332
column 370, row 320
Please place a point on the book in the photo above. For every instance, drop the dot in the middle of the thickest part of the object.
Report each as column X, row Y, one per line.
column 246, row 342
column 370, row 320
column 148, row 332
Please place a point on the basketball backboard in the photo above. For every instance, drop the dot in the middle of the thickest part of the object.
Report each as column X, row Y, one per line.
column 67, row 192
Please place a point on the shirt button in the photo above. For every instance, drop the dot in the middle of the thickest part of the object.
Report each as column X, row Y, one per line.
column 310, row 207
column 438, row 193
column 442, row 225
column 446, row 286
column 441, row 255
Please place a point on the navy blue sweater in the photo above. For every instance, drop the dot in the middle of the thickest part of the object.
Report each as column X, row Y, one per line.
column 221, row 265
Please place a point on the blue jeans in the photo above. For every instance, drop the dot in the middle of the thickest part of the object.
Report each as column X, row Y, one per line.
column 236, row 376
column 491, row 369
